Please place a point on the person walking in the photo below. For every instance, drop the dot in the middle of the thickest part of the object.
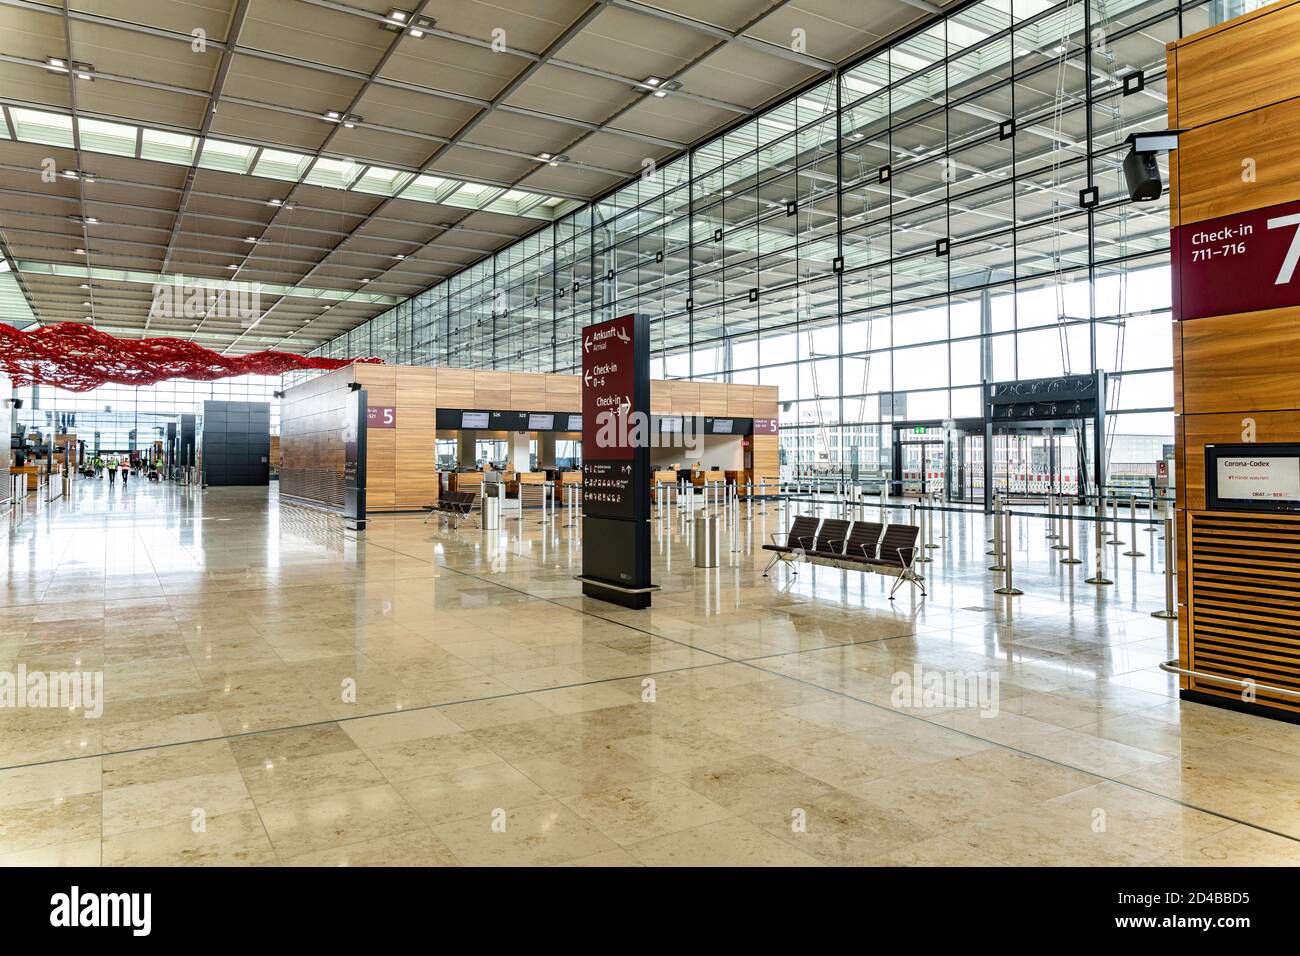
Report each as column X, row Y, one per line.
column 126, row 471
column 112, row 470
column 99, row 466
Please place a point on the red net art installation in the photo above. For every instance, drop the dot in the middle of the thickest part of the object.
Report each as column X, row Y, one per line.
column 78, row 358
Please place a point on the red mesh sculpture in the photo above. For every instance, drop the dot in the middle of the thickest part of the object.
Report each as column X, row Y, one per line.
column 78, row 358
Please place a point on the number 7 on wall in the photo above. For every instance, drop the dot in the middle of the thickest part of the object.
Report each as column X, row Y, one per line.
column 1285, row 274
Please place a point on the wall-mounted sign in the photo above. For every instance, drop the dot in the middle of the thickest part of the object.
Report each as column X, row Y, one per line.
column 766, row 426
column 475, row 419
column 1252, row 477
column 540, row 422
column 380, row 416
column 1245, row 262
column 723, row 426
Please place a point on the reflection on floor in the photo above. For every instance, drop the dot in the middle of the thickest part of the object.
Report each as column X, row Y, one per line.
column 276, row 690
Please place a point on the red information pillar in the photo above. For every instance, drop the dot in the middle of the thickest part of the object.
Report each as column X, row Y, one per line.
column 616, row 461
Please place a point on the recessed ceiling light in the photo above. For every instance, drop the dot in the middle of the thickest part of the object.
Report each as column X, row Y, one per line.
column 331, row 116
column 233, row 265
column 398, row 16
column 87, row 304
column 652, row 81
column 364, row 281
column 400, row 255
column 57, row 64
column 79, row 251
column 250, row 238
column 275, row 202
column 667, row 87
column 83, row 286
column 420, row 27
column 544, row 157
column 352, row 121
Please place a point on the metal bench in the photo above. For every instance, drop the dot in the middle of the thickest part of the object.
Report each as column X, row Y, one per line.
column 800, row 538
column 454, row 506
column 852, row 546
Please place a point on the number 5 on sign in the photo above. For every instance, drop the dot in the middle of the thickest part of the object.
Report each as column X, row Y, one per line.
column 1293, row 251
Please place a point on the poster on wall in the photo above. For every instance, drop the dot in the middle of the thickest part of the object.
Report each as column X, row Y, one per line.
column 1253, row 477
column 1244, row 262
column 616, row 461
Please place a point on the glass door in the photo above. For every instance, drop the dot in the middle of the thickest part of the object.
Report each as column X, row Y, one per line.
column 922, row 468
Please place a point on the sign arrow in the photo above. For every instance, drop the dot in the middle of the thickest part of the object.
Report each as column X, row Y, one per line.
column 586, row 343
column 586, row 377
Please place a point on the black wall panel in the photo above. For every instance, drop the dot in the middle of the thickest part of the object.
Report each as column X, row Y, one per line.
column 236, row 443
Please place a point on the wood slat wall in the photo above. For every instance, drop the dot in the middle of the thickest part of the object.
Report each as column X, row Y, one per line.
column 1234, row 88
column 1244, row 574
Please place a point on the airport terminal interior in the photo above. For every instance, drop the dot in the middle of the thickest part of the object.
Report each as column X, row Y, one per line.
column 650, row 433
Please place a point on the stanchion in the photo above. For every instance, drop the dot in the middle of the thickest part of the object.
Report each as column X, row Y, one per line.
column 1099, row 560
column 1009, row 587
column 1133, row 551
column 1069, row 536
column 999, row 559
column 1114, row 522
column 929, row 523
column 921, row 556
column 1061, row 531
column 1051, row 518
column 1170, row 613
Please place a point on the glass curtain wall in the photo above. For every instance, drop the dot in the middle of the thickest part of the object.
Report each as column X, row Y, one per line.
column 120, row 418
column 876, row 246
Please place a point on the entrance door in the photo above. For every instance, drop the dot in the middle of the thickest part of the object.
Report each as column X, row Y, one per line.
column 1031, row 464
column 922, row 468
column 968, row 478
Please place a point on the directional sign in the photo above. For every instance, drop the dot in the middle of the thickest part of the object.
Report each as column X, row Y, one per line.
column 616, row 460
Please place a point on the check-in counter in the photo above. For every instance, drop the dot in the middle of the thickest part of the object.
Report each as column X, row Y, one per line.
column 665, row 478
column 466, row 480
column 34, row 474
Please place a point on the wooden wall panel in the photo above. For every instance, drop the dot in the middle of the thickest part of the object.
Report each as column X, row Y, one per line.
column 1246, row 361
column 1238, row 66
column 713, row 398
column 563, row 393
column 1209, row 161
column 740, row 401
column 1233, row 89
column 456, row 388
column 527, row 392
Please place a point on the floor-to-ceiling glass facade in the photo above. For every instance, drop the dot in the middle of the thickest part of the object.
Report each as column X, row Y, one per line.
column 878, row 245
column 122, row 418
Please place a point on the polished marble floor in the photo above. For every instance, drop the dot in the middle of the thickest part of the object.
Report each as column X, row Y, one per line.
column 278, row 690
